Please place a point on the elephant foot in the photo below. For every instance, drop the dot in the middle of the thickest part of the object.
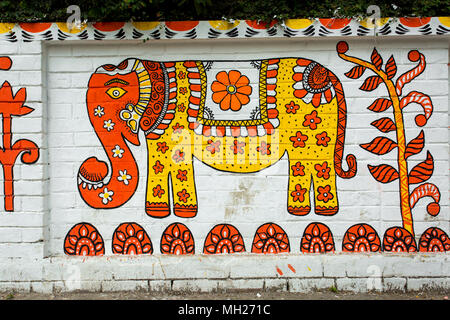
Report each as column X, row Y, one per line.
column 299, row 211
column 326, row 211
column 185, row 211
column 157, row 209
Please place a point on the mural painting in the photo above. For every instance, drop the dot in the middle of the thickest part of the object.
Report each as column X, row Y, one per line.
column 243, row 117
column 13, row 105
column 398, row 238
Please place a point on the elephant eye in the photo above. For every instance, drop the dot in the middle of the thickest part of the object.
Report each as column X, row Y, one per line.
column 116, row 92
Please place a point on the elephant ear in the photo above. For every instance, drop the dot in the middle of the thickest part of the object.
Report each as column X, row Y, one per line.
column 160, row 111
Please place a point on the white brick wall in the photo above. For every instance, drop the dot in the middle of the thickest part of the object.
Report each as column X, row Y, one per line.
column 47, row 203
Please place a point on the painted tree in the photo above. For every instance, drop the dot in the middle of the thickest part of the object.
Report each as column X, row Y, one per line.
column 396, row 238
column 13, row 105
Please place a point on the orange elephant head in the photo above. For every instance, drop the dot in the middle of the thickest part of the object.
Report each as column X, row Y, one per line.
column 120, row 100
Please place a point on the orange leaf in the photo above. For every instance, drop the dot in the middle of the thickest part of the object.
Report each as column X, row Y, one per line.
column 423, row 171
column 383, row 173
column 384, row 125
column 391, row 67
column 376, row 59
column 379, row 145
column 380, row 105
column 371, row 83
column 355, row 72
column 415, row 145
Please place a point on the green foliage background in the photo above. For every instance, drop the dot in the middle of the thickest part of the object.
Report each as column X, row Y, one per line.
column 265, row 10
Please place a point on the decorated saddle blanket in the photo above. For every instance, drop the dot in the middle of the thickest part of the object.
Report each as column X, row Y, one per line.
column 232, row 98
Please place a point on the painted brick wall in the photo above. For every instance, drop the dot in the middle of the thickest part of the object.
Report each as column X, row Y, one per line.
column 47, row 203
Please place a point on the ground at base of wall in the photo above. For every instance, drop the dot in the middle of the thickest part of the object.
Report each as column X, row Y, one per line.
column 241, row 295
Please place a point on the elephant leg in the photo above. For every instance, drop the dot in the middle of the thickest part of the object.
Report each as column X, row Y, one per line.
column 184, row 193
column 324, row 181
column 157, row 198
column 299, row 188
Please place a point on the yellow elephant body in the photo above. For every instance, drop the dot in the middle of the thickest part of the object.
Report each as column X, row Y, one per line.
column 240, row 117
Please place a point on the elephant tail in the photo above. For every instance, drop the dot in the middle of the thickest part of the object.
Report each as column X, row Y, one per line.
column 342, row 121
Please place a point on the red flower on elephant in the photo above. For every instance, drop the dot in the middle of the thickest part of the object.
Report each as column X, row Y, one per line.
column 158, row 167
column 299, row 139
column 323, row 139
column 312, row 120
column 181, row 175
column 299, row 193
column 324, row 193
column 231, row 90
column 162, row 147
column 158, row 191
column 177, row 128
column 264, row 149
column 298, row 169
column 237, row 147
column 178, row 156
column 213, row 146
column 292, row 107
column 323, row 170
column 183, row 195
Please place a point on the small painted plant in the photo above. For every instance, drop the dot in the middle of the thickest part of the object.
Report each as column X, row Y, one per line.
column 381, row 145
column 13, row 105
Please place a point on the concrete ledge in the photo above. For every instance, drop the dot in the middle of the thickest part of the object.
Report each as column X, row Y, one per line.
column 293, row 273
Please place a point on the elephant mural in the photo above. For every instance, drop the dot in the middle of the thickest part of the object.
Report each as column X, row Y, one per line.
column 234, row 116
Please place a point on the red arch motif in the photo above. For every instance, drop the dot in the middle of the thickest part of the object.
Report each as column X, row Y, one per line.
column 177, row 239
column 84, row 240
column 361, row 238
column 130, row 238
column 317, row 238
column 223, row 238
column 270, row 238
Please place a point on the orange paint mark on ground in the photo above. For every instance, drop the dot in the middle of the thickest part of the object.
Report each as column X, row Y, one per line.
column 292, row 268
column 279, row 271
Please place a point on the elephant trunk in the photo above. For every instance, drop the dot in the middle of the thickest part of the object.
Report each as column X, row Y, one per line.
column 104, row 187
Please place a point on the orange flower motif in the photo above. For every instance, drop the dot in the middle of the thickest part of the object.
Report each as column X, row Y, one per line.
column 183, row 195
column 181, row 107
column 237, row 147
column 323, row 171
column 213, row 146
column 299, row 139
column 264, row 148
column 177, row 128
column 181, row 75
column 299, row 193
column 312, row 120
column 324, row 193
column 182, row 175
column 178, row 156
column 298, row 169
column 158, row 191
column 158, row 167
column 292, row 107
column 231, row 90
column 323, row 139
column 162, row 147
column 183, row 90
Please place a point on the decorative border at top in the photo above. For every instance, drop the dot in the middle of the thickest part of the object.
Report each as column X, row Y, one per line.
column 28, row 32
